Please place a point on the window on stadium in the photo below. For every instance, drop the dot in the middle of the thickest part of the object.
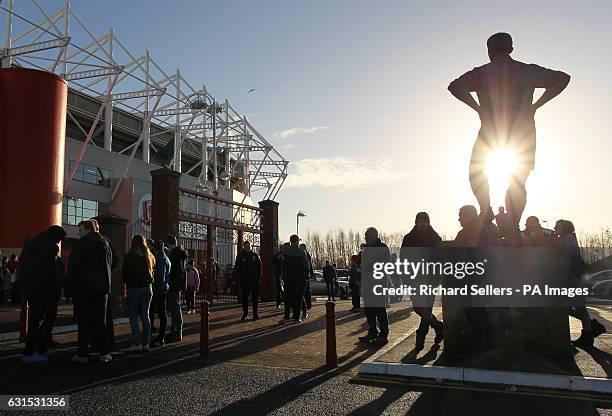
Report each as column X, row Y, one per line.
column 91, row 174
column 76, row 210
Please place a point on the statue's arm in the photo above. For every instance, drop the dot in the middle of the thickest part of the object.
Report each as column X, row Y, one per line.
column 554, row 82
column 461, row 88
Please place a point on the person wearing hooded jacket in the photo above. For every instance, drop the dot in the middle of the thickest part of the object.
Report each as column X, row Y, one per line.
column 41, row 284
column 423, row 235
column 89, row 276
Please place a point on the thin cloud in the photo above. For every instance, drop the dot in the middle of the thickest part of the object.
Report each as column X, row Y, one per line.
column 289, row 146
column 342, row 173
column 284, row 134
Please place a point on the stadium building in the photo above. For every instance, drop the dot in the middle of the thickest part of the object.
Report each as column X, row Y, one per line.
column 125, row 116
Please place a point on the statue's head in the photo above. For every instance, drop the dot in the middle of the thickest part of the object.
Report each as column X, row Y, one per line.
column 499, row 44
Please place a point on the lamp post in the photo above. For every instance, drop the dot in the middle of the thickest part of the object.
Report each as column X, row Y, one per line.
column 202, row 102
column 299, row 214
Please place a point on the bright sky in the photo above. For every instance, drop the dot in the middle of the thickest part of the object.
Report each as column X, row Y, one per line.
column 353, row 93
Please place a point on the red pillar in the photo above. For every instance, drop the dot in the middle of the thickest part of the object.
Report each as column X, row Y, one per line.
column 32, row 133
column 164, row 203
column 269, row 246
column 331, row 357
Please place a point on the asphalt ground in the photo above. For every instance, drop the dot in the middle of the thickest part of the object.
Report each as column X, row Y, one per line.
column 259, row 368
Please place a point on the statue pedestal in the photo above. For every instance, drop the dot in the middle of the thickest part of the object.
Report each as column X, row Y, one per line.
column 539, row 331
column 522, row 322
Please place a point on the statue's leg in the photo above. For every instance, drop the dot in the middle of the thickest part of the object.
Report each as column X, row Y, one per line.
column 478, row 179
column 516, row 196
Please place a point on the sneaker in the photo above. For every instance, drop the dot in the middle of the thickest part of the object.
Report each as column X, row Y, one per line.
column 368, row 338
column 34, row 358
column 380, row 341
column 156, row 343
column 597, row 328
column 134, row 348
column 244, row 318
column 105, row 358
column 305, row 315
column 79, row 360
column 297, row 321
column 146, row 348
column 256, row 317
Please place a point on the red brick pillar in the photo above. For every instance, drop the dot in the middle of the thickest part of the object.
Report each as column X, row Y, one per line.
column 164, row 203
column 269, row 246
column 114, row 228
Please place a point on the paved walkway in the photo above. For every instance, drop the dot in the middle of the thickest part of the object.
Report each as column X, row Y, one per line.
column 263, row 343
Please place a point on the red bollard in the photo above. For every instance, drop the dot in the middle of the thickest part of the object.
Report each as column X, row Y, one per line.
column 331, row 359
column 204, row 333
column 23, row 317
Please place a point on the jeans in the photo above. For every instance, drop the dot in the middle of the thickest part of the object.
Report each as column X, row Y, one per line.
column 279, row 292
column 110, row 329
column 90, row 311
column 190, row 298
column 356, row 296
column 294, row 296
column 139, row 301
column 174, row 306
column 158, row 304
column 331, row 290
column 581, row 313
column 41, row 315
column 249, row 288
column 377, row 314
column 307, row 304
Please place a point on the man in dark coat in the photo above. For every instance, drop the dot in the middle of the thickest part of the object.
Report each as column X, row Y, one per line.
column 330, row 277
column 248, row 271
column 89, row 276
column 40, row 280
column 178, row 283
column 423, row 235
column 278, row 275
column 377, row 334
column 307, row 302
column 295, row 273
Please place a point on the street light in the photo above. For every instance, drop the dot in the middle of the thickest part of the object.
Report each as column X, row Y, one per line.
column 201, row 102
column 299, row 214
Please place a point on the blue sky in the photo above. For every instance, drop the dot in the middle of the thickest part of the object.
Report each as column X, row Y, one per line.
column 353, row 93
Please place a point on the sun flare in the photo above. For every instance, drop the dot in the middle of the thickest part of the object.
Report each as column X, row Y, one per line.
column 501, row 165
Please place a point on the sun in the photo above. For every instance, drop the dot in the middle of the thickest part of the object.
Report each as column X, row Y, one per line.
column 501, row 164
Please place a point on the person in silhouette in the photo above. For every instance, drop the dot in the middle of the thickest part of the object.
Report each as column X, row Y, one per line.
column 505, row 105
